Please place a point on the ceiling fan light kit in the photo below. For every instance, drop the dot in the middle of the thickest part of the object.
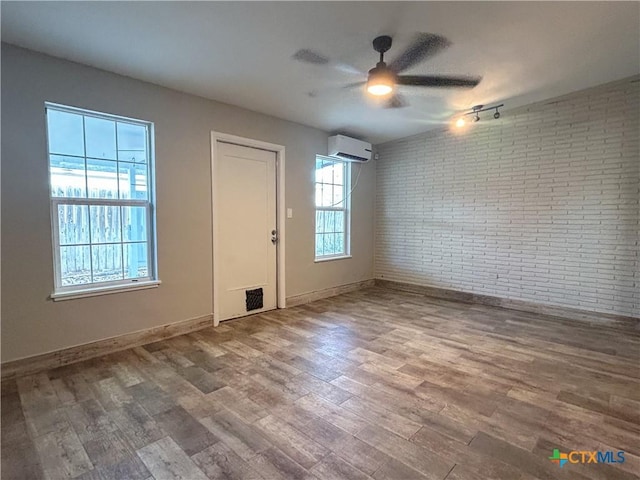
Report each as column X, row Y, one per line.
column 381, row 81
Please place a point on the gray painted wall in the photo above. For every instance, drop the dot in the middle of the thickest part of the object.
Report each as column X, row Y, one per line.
column 541, row 205
column 33, row 324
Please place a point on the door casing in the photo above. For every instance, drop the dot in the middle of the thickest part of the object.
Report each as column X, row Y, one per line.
column 279, row 150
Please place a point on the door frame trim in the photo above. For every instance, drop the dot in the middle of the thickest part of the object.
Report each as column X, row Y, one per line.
column 279, row 150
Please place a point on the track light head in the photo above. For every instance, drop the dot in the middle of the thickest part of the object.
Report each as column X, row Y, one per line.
column 476, row 118
column 497, row 114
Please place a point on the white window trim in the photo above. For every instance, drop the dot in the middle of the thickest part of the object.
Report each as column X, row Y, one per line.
column 347, row 187
column 105, row 288
column 329, row 258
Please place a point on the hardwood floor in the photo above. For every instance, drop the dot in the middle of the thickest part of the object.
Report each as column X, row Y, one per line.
column 371, row 384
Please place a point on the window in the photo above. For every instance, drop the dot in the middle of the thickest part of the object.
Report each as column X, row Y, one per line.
column 101, row 180
column 332, row 208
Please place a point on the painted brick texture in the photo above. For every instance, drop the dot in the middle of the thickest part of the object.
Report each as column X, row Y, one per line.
column 540, row 205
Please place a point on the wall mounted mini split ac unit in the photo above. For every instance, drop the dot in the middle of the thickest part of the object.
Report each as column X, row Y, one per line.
column 349, row 149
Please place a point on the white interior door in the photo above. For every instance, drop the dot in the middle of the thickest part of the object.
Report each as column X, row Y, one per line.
column 244, row 218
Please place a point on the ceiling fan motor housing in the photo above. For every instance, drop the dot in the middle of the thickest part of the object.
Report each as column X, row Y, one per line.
column 381, row 69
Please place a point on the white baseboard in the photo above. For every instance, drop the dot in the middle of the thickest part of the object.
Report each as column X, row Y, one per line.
column 327, row 292
column 66, row 356
column 512, row 304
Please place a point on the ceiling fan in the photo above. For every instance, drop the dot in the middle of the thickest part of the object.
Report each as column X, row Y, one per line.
column 383, row 79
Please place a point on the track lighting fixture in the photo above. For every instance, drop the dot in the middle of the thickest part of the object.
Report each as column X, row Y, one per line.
column 475, row 111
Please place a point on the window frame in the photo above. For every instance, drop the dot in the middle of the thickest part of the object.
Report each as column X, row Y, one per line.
column 64, row 292
column 346, row 209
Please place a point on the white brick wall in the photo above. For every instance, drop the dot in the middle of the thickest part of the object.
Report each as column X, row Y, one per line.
column 541, row 205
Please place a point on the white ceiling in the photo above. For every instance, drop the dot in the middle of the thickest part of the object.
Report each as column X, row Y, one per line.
column 240, row 52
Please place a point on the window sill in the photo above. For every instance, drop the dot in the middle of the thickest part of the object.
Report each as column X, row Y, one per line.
column 94, row 292
column 329, row 259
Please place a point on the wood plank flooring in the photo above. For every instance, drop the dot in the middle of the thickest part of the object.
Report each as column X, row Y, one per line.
column 371, row 384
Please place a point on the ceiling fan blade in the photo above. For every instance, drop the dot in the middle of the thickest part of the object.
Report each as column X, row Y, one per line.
column 346, row 68
column 396, row 101
column 334, row 89
column 437, row 81
column 424, row 46
column 309, row 56
column 354, row 84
